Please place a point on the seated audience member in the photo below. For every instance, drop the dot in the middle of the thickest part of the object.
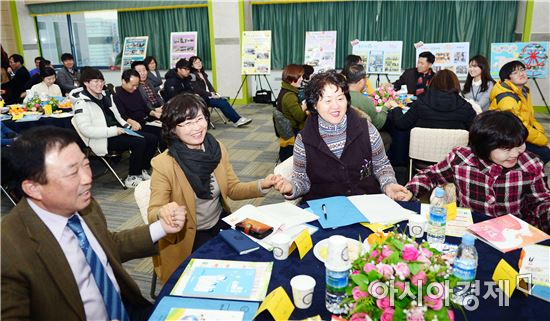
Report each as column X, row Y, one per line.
column 178, row 80
column 36, row 78
column 98, row 120
column 308, row 71
column 132, row 107
column 194, row 173
column 59, row 260
column 12, row 90
column 494, row 175
column 153, row 74
column 289, row 104
column 512, row 94
column 479, row 82
column 36, row 70
column 4, row 61
column 8, row 135
column 417, row 79
column 6, row 176
column 203, row 87
column 147, row 91
column 46, row 87
column 441, row 107
column 68, row 76
column 357, row 60
column 337, row 152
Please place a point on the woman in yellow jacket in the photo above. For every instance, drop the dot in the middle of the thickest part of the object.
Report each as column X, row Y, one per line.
column 512, row 94
column 194, row 172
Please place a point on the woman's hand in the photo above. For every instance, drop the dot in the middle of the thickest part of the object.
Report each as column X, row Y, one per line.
column 172, row 217
column 397, row 192
column 119, row 130
column 135, row 125
column 269, row 181
column 283, row 185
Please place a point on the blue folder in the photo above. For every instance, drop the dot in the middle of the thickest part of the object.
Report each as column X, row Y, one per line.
column 340, row 212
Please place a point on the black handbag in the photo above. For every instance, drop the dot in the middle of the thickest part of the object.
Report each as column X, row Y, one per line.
column 262, row 97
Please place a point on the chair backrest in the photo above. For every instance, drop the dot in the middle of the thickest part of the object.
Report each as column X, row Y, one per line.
column 142, row 193
column 285, row 168
column 434, row 144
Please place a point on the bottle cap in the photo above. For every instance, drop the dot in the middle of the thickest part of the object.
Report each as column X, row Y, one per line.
column 439, row 192
column 468, row 239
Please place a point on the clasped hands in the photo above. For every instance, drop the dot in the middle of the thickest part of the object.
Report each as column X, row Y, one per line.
column 172, row 217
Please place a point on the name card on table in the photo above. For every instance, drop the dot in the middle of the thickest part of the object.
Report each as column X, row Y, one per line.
column 278, row 304
column 505, row 277
column 303, row 242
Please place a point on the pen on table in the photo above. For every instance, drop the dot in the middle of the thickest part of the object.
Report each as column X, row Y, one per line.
column 324, row 207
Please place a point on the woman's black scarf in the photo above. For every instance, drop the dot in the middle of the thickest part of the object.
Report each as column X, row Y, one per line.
column 198, row 165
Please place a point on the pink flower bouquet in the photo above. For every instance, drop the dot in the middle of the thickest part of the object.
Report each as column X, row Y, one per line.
column 398, row 279
column 382, row 95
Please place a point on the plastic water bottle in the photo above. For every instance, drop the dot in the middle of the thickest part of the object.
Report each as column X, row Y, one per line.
column 403, row 93
column 336, row 282
column 464, row 268
column 438, row 218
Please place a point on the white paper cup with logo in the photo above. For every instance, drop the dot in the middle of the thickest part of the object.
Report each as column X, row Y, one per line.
column 302, row 290
column 417, row 226
column 337, row 253
column 281, row 243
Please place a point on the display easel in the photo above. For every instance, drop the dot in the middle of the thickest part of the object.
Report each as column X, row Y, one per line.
column 541, row 94
column 257, row 80
column 378, row 78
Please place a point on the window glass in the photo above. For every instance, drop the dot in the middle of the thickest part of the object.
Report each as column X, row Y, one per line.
column 54, row 37
column 96, row 39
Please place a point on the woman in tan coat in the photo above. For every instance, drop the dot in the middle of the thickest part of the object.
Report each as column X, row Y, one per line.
column 194, row 172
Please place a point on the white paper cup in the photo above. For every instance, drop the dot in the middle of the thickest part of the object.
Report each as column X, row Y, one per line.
column 281, row 243
column 338, row 255
column 417, row 226
column 302, row 290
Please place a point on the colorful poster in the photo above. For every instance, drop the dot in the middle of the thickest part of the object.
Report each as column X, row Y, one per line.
column 380, row 57
column 135, row 49
column 182, row 314
column 182, row 45
column 320, row 50
column 533, row 54
column 450, row 55
column 256, row 53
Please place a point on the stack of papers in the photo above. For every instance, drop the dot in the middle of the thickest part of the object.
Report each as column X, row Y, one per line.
column 456, row 227
column 343, row 211
column 174, row 308
column 533, row 264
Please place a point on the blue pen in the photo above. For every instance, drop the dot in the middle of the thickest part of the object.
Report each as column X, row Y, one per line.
column 324, row 207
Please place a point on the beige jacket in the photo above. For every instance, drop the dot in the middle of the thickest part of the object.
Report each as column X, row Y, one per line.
column 169, row 184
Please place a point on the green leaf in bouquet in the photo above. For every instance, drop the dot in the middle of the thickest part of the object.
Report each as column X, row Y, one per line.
column 393, row 258
column 415, row 267
column 374, row 275
column 360, row 279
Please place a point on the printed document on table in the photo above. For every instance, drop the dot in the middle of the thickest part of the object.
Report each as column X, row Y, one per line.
column 379, row 208
column 168, row 303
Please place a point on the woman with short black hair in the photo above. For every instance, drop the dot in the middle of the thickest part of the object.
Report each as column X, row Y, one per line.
column 46, row 87
column 153, row 74
column 494, row 175
column 194, row 172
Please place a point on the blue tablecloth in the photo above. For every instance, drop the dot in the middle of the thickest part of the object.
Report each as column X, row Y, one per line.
column 520, row 307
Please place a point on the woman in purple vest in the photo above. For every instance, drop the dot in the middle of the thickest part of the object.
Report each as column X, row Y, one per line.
column 337, row 152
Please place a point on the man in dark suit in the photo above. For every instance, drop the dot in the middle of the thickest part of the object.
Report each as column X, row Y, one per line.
column 417, row 79
column 12, row 90
column 59, row 261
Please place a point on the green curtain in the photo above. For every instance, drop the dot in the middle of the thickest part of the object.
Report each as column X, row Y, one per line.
column 158, row 24
column 86, row 5
column 477, row 22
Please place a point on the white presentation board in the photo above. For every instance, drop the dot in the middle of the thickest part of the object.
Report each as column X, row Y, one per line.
column 256, row 53
column 135, row 49
column 448, row 55
column 182, row 45
column 380, row 57
column 320, row 50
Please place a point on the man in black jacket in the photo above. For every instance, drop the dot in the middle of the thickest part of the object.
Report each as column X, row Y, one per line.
column 178, row 80
column 12, row 90
column 417, row 79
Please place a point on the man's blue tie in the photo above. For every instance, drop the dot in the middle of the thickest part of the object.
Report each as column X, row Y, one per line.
column 111, row 297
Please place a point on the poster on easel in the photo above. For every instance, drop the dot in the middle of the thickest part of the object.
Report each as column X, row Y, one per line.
column 380, row 57
column 256, row 53
column 533, row 54
column 135, row 49
column 320, row 50
column 182, row 45
column 449, row 55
